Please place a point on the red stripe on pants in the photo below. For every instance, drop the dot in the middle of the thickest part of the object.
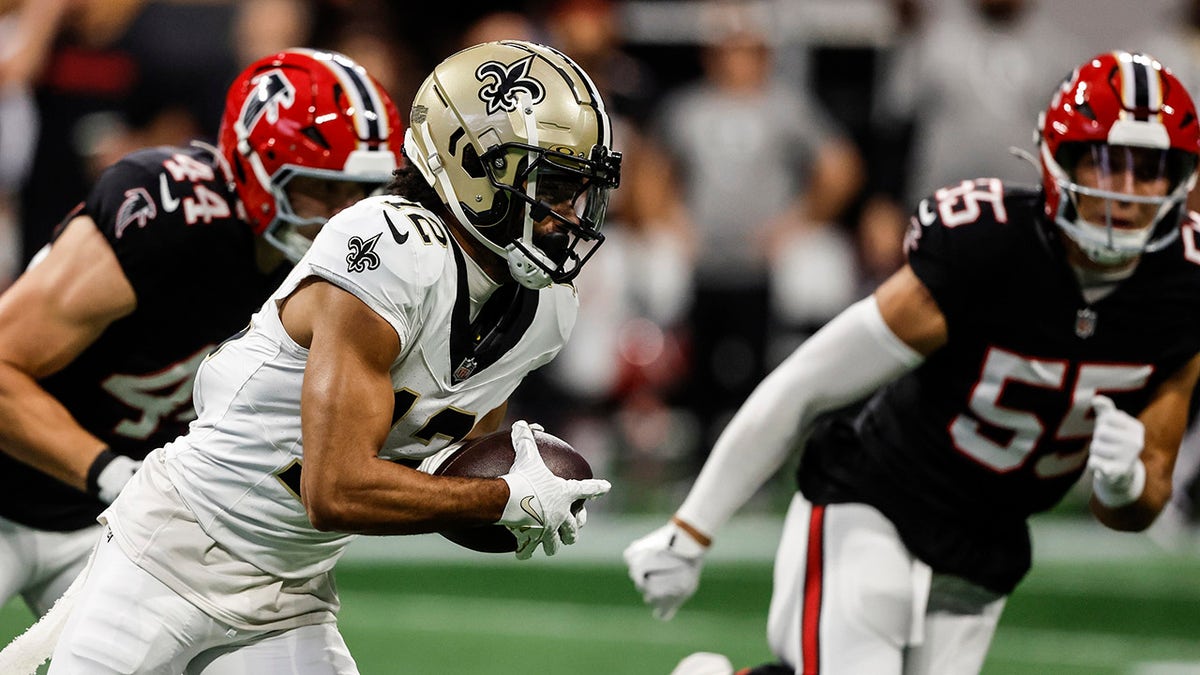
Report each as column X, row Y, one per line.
column 810, row 622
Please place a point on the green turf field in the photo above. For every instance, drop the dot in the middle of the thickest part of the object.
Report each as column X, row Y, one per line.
column 1097, row 606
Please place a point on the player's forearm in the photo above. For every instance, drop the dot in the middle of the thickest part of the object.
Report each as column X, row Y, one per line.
column 1140, row 513
column 383, row 498
column 1135, row 517
column 346, row 415
column 346, row 487
column 1133, row 505
column 36, row 429
column 837, row 179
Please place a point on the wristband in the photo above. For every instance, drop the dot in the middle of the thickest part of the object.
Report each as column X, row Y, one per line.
column 701, row 538
column 98, row 466
column 1121, row 492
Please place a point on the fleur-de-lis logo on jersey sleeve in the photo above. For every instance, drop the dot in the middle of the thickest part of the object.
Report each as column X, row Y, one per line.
column 362, row 256
column 502, row 82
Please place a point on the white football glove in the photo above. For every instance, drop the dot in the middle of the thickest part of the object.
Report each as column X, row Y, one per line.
column 665, row 567
column 108, row 475
column 539, row 503
column 1115, row 455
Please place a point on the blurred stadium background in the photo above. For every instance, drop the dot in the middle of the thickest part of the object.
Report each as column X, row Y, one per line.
column 1097, row 602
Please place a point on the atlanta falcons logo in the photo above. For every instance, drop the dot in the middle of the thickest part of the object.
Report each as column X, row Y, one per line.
column 138, row 208
column 272, row 90
column 501, row 84
column 362, row 256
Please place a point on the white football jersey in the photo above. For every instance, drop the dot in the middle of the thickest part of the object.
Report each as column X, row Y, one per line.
column 238, row 467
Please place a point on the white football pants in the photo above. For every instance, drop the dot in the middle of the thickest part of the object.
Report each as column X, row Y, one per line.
column 126, row 621
column 39, row 565
column 850, row 599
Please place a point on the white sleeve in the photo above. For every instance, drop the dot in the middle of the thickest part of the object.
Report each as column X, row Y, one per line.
column 852, row 356
column 359, row 251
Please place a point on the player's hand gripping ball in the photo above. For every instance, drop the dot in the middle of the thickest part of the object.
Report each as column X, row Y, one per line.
column 491, row 456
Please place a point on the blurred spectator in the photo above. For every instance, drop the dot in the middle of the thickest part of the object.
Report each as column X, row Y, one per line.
column 119, row 74
column 765, row 175
column 58, row 53
column 364, row 33
column 958, row 89
column 626, row 358
column 970, row 82
column 590, row 30
column 23, row 27
column 500, row 25
column 263, row 27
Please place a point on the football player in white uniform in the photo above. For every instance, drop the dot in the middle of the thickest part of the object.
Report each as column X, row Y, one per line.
column 404, row 329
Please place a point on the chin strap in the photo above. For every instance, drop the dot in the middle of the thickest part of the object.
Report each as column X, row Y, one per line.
column 526, row 263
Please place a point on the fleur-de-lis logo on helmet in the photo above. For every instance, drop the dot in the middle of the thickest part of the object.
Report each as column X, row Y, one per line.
column 362, row 255
column 501, row 84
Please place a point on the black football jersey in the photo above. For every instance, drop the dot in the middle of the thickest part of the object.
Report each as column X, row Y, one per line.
column 995, row 425
column 172, row 221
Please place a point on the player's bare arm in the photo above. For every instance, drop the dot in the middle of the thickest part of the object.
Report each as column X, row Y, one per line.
column 837, row 176
column 346, row 414
column 1164, row 420
column 47, row 318
column 910, row 312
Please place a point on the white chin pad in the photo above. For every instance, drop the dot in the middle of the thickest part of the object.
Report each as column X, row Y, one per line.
column 1094, row 240
column 527, row 272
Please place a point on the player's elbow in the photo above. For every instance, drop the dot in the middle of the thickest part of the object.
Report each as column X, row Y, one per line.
column 325, row 517
column 327, row 512
column 11, row 376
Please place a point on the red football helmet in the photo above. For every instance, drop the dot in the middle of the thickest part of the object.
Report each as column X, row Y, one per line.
column 305, row 113
column 1128, row 119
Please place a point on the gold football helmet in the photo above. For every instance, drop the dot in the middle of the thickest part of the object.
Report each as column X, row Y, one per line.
column 506, row 132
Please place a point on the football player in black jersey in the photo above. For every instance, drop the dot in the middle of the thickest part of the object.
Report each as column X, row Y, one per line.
column 169, row 255
column 1031, row 336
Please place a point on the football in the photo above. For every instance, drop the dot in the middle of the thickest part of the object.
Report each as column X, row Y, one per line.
column 491, row 456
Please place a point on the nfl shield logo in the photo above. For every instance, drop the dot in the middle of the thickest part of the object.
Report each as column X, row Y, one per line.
column 464, row 369
column 1085, row 323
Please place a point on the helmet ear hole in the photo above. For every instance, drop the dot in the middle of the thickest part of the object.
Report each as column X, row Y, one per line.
column 239, row 170
column 314, row 135
column 471, row 162
column 492, row 216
